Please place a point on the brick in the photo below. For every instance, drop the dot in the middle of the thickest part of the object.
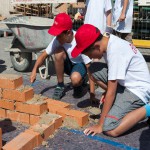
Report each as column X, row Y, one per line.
column 47, row 118
column 34, row 119
column 63, row 112
column 1, row 90
column 23, row 141
column 54, row 105
column 79, row 116
column 58, row 122
column 0, row 138
column 10, row 81
column 39, row 138
column 19, row 117
column 35, row 106
column 42, row 132
column 7, row 104
column 2, row 113
column 21, row 94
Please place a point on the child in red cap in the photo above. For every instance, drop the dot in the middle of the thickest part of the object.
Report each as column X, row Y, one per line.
column 61, row 46
column 126, row 80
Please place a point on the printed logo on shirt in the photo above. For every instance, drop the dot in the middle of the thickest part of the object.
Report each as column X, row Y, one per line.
column 135, row 50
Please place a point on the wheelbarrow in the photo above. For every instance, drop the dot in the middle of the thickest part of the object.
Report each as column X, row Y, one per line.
column 30, row 36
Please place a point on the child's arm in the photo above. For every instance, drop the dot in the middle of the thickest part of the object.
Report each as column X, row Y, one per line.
column 131, row 119
column 38, row 63
column 124, row 9
column 109, row 17
column 109, row 99
column 108, row 12
column 92, row 85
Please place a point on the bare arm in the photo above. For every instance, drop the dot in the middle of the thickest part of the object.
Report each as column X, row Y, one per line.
column 124, row 9
column 109, row 99
column 92, row 84
column 38, row 63
column 109, row 17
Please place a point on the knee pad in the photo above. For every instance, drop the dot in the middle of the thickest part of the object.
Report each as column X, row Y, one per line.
column 147, row 108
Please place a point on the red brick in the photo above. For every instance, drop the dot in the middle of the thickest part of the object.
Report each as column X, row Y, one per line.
column 79, row 116
column 7, row 104
column 54, row 105
column 42, row 132
column 35, row 109
column 19, row 95
column 2, row 113
column 0, row 138
column 63, row 112
column 34, row 119
column 1, row 90
column 58, row 122
column 19, row 117
column 47, row 118
column 23, row 141
column 39, row 138
column 10, row 81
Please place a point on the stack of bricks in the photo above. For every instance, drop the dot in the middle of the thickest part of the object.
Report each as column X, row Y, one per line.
column 19, row 103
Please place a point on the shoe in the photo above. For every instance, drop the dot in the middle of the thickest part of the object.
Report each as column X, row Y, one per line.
column 59, row 92
column 78, row 92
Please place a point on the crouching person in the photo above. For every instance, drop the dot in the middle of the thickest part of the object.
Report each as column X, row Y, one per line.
column 61, row 46
column 126, row 80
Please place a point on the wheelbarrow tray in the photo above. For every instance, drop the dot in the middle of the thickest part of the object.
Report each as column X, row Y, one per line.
column 32, row 32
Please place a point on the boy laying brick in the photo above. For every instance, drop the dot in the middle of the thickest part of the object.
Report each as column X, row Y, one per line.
column 61, row 46
column 126, row 80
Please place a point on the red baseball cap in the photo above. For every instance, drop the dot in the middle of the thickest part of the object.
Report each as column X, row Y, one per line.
column 61, row 23
column 85, row 36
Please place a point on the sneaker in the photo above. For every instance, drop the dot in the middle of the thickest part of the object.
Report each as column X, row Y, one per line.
column 59, row 92
column 78, row 92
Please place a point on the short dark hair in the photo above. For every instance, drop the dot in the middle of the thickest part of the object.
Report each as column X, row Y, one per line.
column 65, row 31
column 90, row 47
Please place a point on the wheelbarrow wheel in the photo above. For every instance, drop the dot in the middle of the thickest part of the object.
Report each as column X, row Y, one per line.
column 21, row 61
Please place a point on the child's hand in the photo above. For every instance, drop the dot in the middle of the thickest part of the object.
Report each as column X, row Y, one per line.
column 93, row 130
column 33, row 77
column 122, row 17
column 102, row 98
column 93, row 99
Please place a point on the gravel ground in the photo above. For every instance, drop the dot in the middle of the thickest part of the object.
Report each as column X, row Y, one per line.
column 64, row 139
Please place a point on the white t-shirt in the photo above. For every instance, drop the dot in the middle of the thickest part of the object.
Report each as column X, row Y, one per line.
column 127, row 65
column 54, row 45
column 124, row 26
column 96, row 13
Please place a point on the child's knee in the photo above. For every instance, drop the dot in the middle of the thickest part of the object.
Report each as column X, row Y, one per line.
column 76, row 79
column 111, row 133
column 109, row 125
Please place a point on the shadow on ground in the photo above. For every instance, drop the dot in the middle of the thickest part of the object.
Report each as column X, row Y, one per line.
column 2, row 67
column 145, row 140
column 6, row 126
